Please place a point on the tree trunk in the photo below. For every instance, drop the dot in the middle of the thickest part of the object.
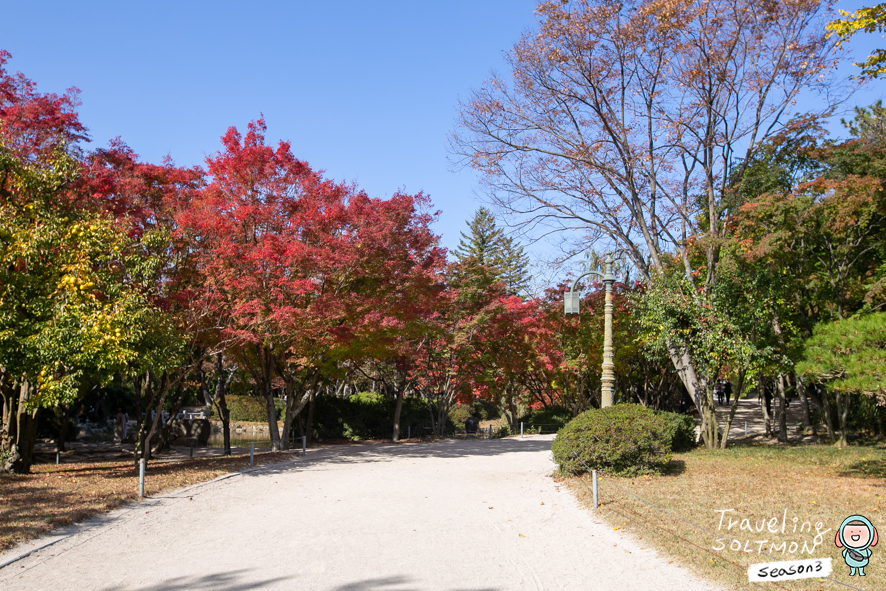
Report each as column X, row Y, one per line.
column 165, row 433
column 61, row 437
column 782, row 410
column 292, row 410
column 148, row 395
column 397, row 410
column 804, row 404
column 828, row 419
column 309, row 427
column 19, row 431
column 739, row 388
column 767, row 421
column 273, row 428
column 843, row 413
column 219, row 398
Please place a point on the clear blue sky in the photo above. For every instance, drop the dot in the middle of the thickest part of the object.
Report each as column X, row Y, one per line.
column 365, row 90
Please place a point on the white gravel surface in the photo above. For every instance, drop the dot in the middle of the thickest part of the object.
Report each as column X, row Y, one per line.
column 445, row 516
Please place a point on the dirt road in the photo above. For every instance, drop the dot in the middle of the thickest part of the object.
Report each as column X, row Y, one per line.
column 446, row 516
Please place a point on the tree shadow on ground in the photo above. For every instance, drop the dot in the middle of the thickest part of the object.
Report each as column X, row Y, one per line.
column 394, row 584
column 236, row 580
column 865, row 469
column 674, row 468
column 444, row 449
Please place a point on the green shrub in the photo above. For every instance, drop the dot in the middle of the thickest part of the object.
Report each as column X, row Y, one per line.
column 249, row 409
column 459, row 413
column 680, row 433
column 546, row 420
column 625, row 439
column 485, row 410
column 366, row 416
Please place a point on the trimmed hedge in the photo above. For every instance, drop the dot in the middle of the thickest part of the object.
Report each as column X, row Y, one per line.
column 625, row 439
column 680, row 430
column 249, row 409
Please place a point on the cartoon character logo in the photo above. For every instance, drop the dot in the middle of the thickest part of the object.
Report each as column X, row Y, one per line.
column 856, row 536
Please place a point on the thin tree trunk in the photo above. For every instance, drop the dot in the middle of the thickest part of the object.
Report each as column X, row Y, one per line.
column 62, row 435
column 843, row 412
column 782, row 410
column 739, row 388
column 309, row 427
column 767, row 421
column 804, row 404
column 19, row 429
column 397, row 410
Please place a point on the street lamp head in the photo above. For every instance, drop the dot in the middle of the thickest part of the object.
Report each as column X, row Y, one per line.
column 570, row 302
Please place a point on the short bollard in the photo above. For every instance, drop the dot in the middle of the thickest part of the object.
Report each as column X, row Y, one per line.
column 304, row 445
column 521, row 428
column 595, row 488
column 490, row 431
column 745, row 428
column 409, row 432
column 192, row 450
column 251, row 454
column 141, row 478
column 57, row 458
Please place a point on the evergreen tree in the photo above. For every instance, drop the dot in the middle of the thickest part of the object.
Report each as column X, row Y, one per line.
column 487, row 245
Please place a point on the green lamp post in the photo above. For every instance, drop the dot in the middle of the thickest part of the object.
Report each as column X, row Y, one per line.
column 570, row 300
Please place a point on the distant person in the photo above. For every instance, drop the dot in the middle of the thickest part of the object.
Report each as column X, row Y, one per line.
column 727, row 390
column 120, row 424
column 718, row 390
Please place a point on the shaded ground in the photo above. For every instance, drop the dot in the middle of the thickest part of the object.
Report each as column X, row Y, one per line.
column 58, row 495
column 451, row 515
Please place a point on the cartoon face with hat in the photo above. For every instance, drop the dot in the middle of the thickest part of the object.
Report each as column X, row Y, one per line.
column 856, row 536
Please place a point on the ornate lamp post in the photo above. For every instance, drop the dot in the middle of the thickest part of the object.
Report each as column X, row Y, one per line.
column 570, row 300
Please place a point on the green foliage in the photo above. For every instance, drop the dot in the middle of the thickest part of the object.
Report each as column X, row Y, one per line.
column 679, row 430
column 870, row 20
column 848, row 355
column 488, row 246
column 77, row 299
column 366, row 416
column 625, row 439
column 459, row 413
column 867, row 414
column 249, row 409
column 546, row 420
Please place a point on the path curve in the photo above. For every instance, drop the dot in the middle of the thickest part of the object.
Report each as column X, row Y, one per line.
column 448, row 516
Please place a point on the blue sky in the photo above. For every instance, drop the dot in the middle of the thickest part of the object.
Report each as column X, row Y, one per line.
column 365, row 90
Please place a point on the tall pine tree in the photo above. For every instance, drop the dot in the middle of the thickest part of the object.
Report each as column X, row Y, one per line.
column 488, row 246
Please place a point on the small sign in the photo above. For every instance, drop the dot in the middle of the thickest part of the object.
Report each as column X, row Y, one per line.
column 789, row 570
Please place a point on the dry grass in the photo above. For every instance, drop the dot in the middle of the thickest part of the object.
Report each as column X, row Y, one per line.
column 815, row 484
column 57, row 495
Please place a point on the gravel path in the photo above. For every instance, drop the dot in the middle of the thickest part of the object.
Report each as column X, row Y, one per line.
column 452, row 515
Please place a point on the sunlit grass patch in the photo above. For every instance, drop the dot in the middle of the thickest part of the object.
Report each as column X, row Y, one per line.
column 807, row 490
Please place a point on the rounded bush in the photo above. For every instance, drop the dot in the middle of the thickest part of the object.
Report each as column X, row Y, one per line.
column 625, row 439
column 680, row 430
